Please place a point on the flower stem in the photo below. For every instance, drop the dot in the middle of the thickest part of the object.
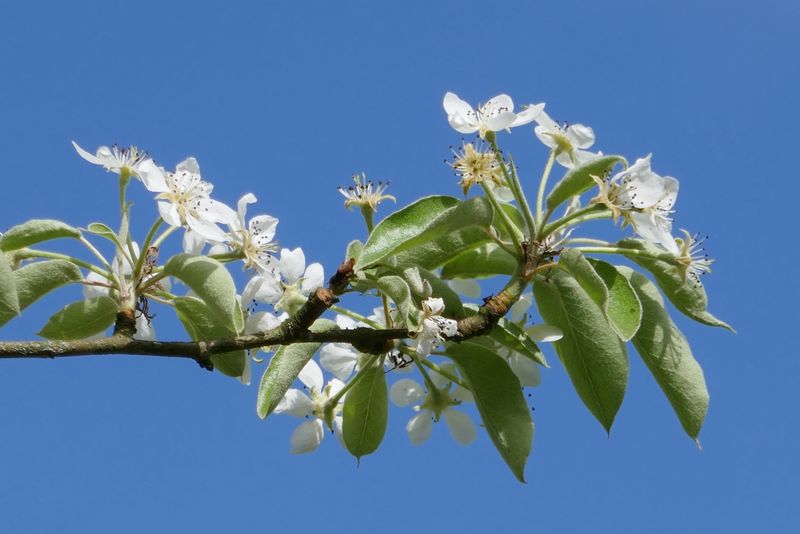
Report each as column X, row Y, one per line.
column 445, row 373
column 32, row 253
column 664, row 256
column 510, row 227
column 94, row 251
column 543, row 186
column 516, row 187
column 588, row 213
column 165, row 234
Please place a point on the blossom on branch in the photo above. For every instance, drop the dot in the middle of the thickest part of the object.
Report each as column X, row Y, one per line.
column 495, row 115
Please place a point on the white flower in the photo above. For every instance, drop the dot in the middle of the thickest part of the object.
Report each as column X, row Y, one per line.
column 309, row 435
column 435, row 328
column 495, row 115
column 340, row 359
column 477, row 166
column 644, row 199
column 298, row 281
column 184, row 200
column 254, row 239
column 365, row 193
column 692, row 259
column 124, row 161
column 431, row 407
column 567, row 141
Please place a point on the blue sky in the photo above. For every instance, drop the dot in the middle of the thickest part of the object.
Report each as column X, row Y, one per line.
column 287, row 100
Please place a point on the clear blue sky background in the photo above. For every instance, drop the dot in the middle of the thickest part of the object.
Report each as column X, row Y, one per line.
column 286, row 99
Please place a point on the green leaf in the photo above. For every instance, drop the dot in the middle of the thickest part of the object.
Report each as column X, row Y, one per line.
column 397, row 289
column 203, row 325
column 212, row 282
column 579, row 179
column 499, row 399
column 610, row 290
column 514, row 216
column 81, row 319
column 421, row 222
column 9, row 302
column 666, row 353
column 105, row 231
column 511, row 336
column 353, row 249
column 592, row 353
column 35, row 280
column 486, row 260
column 365, row 412
column 434, row 253
column 688, row 296
column 283, row 369
column 35, row 231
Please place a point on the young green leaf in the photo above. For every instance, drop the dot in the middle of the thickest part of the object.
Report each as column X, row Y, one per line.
column 212, row 282
column 366, row 412
column 353, row 249
column 594, row 356
column 397, row 289
column 35, row 231
column 453, row 307
column 9, row 302
column 434, row 253
column 203, row 325
column 666, row 353
column 610, row 290
column 283, row 369
column 104, row 231
column 579, row 179
column 35, row 280
column 81, row 319
column 499, row 399
column 487, row 260
column 421, row 222
column 688, row 296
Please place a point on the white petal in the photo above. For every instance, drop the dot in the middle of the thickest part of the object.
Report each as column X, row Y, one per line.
column 262, row 288
column 468, row 288
column 215, row 211
column 503, row 194
column 441, row 381
column 188, row 165
column 498, row 104
column 406, row 392
column 307, row 437
column 544, row 332
column 333, row 387
column 546, row 125
column 656, row 228
column 247, row 374
column 528, row 115
column 338, row 359
column 435, row 305
column 501, row 121
column 462, row 394
column 519, row 309
column 193, row 243
column 241, row 206
column 91, row 158
column 420, row 426
column 261, row 322
column 337, row 429
column 313, row 278
column 580, row 135
column 169, row 212
column 144, row 329
column 455, row 106
column 293, row 263
column 346, row 323
column 311, row 376
column 152, row 176
column 295, row 403
column 262, row 228
column 207, row 229
column 95, row 291
column 670, row 194
column 460, row 426
column 526, row 370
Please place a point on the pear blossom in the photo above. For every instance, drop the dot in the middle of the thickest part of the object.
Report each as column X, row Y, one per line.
column 434, row 328
column 477, row 166
column 308, row 436
column 291, row 284
column 365, row 193
column 184, row 199
column 568, row 142
column 495, row 115
column 125, row 161
column 432, row 406
column 692, row 259
column 645, row 200
column 254, row 238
